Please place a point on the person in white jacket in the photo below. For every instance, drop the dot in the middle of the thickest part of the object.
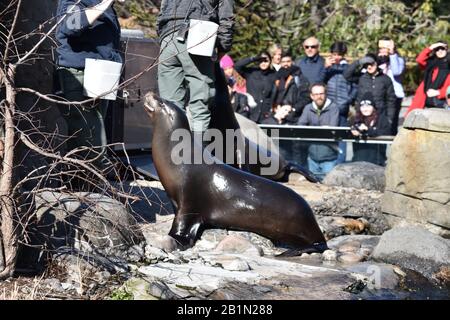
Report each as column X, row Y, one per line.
column 393, row 65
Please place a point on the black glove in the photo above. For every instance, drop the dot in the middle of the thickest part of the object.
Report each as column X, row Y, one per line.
column 260, row 59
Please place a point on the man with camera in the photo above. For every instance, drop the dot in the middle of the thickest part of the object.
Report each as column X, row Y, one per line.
column 178, row 70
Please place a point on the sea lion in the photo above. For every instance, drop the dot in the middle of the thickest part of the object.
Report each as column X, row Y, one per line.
column 220, row 196
column 223, row 118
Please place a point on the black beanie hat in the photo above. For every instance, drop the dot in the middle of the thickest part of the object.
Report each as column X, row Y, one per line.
column 367, row 99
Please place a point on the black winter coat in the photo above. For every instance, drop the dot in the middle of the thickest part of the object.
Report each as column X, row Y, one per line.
column 374, row 153
column 173, row 13
column 239, row 103
column 293, row 91
column 380, row 86
column 340, row 90
column 260, row 84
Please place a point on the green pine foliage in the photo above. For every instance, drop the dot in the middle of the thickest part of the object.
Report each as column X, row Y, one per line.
column 358, row 22
column 412, row 24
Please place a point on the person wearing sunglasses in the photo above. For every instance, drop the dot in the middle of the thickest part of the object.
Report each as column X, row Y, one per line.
column 434, row 60
column 312, row 64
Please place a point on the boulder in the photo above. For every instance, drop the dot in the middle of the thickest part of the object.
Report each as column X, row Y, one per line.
column 359, row 175
column 379, row 275
column 337, row 226
column 356, row 241
column 329, row 255
column 352, row 204
column 238, row 244
column 418, row 175
column 428, row 119
column 84, row 224
column 350, row 258
column 415, row 248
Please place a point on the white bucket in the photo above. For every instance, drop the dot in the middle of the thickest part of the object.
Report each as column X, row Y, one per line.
column 201, row 38
column 101, row 78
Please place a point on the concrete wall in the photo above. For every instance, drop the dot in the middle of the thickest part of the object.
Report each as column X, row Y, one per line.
column 36, row 18
column 38, row 74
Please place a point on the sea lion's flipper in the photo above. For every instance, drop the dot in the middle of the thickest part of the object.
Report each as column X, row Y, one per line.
column 317, row 247
column 185, row 228
column 293, row 167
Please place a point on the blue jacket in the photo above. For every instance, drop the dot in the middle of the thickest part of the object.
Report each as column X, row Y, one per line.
column 312, row 68
column 78, row 40
column 339, row 90
column 395, row 71
column 328, row 116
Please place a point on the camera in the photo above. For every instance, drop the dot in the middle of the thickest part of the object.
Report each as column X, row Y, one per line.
column 231, row 81
column 363, row 133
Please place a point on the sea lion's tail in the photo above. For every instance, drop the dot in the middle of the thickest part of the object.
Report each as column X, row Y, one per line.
column 316, row 247
column 293, row 167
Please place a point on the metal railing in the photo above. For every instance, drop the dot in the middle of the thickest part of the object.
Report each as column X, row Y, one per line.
column 320, row 133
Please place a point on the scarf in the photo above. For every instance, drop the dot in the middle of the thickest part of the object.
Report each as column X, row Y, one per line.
column 438, row 82
column 369, row 121
column 284, row 78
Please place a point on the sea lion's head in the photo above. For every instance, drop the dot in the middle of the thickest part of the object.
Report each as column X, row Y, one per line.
column 164, row 111
column 152, row 104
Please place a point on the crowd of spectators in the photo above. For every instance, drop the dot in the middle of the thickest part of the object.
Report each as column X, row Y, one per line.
column 317, row 90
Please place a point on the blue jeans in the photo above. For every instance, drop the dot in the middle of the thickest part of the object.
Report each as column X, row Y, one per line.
column 320, row 169
column 342, row 152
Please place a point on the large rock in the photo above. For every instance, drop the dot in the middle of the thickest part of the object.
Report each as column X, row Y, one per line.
column 429, row 120
column 263, row 278
column 414, row 248
column 359, row 175
column 418, row 175
column 238, row 244
column 379, row 275
column 349, row 203
column 83, row 223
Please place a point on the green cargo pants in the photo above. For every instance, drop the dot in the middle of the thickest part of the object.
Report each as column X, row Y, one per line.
column 176, row 69
column 86, row 126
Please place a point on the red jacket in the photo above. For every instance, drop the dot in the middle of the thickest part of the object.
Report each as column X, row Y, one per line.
column 420, row 96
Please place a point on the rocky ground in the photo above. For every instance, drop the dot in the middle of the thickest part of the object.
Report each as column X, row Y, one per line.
column 240, row 265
